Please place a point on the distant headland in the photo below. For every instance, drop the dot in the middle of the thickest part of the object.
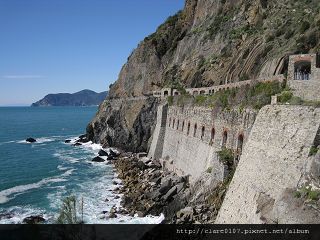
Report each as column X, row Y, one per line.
column 82, row 98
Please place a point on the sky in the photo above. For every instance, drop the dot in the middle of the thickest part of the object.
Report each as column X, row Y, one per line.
column 54, row 46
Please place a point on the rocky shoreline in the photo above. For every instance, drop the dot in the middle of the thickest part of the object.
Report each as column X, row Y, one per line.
column 148, row 189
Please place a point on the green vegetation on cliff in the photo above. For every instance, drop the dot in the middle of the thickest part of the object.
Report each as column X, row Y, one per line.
column 254, row 96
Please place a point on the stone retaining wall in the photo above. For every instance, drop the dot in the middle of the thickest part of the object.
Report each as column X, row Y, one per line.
column 274, row 159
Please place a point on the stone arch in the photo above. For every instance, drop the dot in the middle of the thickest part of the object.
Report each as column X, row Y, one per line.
column 188, row 129
column 174, row 122
column 240, row 143
column 202, row 92
column 182, row 126
column 170, row 122
column 302, row 70
column 195, row 130
column 178, row 124
column 224, row 138
column 176, row 93
column 203, row 130
column 166, row 93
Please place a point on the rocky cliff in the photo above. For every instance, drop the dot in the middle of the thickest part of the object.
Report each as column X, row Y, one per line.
column 211, row 42
column 208, row 42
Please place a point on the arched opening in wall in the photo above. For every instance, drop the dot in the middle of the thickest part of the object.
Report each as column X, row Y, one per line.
column 178, row 124
column 224, row 139
column 213, row 132
column 203, row 129
column 188, row 129
column 176, row 93
column 240, row 144
column 195, row 130
column 174, row 121
column 302, row 70
column 182, row 126
column 195, row 92
column 165, row 93
column 202, row 92
column 170, row 122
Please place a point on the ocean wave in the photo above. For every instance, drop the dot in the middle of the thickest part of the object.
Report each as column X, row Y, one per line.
column 16, row 214
column 5, row 194
column 3, row 143
column 39, row 140
column 64, row 157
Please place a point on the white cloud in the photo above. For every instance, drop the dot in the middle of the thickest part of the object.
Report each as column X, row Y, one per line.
column 22, row 76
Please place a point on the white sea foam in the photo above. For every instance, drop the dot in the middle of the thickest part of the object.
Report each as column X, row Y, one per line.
column 4, row 195
column 16, row 214
column 2, row 143
column 38, row 140
column 65, row 157
column 92, row 146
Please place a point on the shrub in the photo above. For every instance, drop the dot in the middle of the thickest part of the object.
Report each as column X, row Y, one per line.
column 313, row 150
column 289, row 34
column 304, row 26
column 270, row 37
column 68, row 211
column 313, row 195
column 297, row 194
column 226, row 156
column 209, row 170
column 285, row 96
column 296, row 100
column 200, row 99
column 170, row 100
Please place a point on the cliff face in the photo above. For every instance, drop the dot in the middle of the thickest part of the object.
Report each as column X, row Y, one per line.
column 126, row 124
column 209, row 42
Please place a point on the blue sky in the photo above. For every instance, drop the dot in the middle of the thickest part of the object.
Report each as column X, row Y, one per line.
column 51, row 46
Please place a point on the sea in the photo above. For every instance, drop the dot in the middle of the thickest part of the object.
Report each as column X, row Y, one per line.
column 36, row 177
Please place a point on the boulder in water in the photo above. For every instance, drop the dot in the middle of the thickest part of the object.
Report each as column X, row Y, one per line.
column 102, row 153
column 33, row 220
column 67, row 141
column 113, row 153
column 98, row 159
column 77, row 144
column 31, row 140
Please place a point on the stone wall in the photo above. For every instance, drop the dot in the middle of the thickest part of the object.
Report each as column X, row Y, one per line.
column 274, row 160
column 158, row 135
column 211, row 90
column 306, row 89
column 194, row 135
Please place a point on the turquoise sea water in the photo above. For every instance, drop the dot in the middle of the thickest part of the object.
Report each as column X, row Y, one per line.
column 34, row 178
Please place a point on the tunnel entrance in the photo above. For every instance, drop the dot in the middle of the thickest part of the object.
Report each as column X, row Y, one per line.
column 302, row 70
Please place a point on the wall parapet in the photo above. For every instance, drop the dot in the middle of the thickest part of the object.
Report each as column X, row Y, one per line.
column 165, row 92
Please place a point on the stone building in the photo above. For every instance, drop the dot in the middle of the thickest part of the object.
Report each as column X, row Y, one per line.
column 304, row 76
